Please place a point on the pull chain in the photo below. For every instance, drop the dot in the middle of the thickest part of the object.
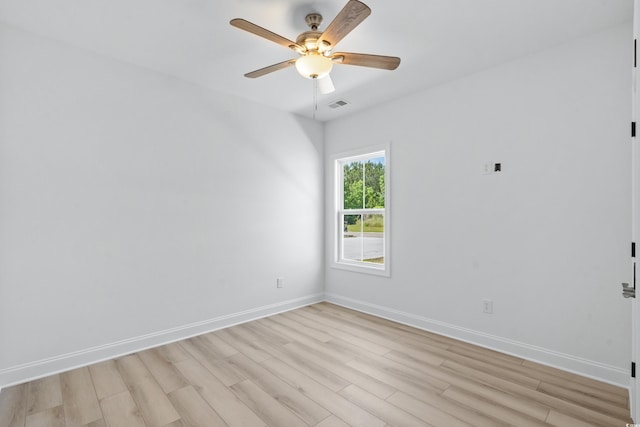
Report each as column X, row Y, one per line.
column 315, row 96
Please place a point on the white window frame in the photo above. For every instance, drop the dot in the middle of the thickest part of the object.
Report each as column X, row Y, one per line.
column 338, row 210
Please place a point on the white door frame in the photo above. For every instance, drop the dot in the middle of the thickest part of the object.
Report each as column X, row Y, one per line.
column 634, row 390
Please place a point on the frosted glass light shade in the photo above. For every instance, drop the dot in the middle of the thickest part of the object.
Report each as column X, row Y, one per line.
column 314, row 65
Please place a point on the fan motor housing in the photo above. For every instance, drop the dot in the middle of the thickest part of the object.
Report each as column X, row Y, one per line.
column 309, row 39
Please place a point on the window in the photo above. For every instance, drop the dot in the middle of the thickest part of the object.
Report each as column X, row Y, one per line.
column 362, row 218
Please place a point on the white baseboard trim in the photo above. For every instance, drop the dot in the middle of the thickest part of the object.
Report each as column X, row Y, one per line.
column 588, row 368
column 42, row 368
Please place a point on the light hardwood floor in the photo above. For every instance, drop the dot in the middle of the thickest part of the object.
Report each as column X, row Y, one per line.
column 321, row 365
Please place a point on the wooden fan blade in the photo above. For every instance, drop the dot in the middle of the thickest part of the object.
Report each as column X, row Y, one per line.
column 270, row 69
column 365, row 60
column 349, row 17
column 264, row 33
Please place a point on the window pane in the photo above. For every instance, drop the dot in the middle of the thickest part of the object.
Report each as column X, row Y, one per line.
column 363, row 238
column 373, row 239
column 374, row 183
column 352, row 238
column 352, row 185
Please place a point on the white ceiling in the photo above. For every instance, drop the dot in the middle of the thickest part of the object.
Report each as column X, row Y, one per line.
column 437, row 40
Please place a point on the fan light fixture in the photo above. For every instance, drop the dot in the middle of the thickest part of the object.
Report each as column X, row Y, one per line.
column 314, row 65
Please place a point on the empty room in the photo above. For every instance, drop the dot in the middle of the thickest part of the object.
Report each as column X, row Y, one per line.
column 318, row 213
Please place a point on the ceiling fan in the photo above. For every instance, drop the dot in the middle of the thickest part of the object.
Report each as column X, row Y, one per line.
column 316, row 48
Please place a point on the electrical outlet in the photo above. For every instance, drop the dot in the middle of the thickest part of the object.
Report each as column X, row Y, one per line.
column 280, row 282
column 487, row 306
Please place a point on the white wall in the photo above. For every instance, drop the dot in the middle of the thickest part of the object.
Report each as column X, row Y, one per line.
column 547, row 239
column 135, row 208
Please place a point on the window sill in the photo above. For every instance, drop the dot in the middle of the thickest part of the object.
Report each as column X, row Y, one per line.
column 360, row 268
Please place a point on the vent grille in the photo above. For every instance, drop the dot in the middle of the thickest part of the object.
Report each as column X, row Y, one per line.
column 339, row 104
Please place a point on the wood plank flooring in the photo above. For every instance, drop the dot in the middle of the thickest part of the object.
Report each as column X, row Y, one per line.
column 321, row 365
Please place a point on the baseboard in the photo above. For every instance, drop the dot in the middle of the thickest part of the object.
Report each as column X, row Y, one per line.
column 42, row 368
column 588, row 368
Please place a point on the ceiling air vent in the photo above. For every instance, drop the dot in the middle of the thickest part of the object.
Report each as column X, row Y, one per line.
column 338, row 104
